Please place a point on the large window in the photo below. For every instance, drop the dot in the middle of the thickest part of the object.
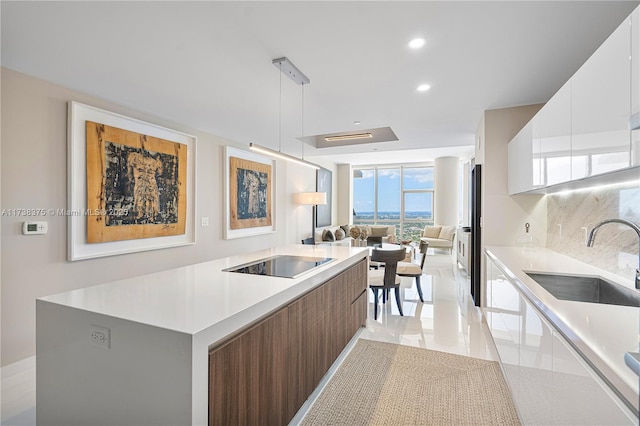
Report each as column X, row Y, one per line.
column 400, row 196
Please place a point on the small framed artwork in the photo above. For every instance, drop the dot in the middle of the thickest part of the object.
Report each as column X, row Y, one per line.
column 131, row 185
column 249, row 194
column 323, row 184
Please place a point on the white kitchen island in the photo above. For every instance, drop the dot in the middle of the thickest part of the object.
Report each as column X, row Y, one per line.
column 137, row 351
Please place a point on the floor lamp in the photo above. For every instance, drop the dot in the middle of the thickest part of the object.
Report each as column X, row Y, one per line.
column 313, row 199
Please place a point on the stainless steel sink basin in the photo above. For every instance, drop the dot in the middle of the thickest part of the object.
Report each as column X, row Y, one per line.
column 586, row 289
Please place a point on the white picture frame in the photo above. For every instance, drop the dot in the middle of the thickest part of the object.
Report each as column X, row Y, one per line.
column 78, row 248
column 230, row 233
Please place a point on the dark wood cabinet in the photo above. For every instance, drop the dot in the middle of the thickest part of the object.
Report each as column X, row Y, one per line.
column 248, row 375
column 265, row 374
column 307, row 332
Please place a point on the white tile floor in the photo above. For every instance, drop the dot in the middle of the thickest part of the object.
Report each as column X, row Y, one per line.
column 447, row 321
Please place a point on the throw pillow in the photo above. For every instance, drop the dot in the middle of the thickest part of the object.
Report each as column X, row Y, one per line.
column 339, row 233
column 432, row 231
column 447, row 233
column 346, row 229
column 354, row 232
column 327, row 235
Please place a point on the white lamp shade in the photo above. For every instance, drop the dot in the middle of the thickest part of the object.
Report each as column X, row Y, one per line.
column 312, row 198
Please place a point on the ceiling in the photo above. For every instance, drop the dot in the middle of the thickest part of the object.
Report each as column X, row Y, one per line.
column 208, row 65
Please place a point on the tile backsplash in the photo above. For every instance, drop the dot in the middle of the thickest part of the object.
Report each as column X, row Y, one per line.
column 571, row 215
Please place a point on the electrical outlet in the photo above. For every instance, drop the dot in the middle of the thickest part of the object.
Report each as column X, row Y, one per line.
column 100, row 336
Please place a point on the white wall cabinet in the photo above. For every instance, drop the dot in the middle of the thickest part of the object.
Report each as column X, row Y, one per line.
column 600, row 107
column 583, row 131
column 520, row 161
column 552, row 130
column 634, row 121
column 549, row 381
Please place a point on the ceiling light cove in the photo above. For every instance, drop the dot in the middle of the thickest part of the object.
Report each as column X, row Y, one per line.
column 423, row 88
column 417, row 43
column 348, row 137
column 351, row 137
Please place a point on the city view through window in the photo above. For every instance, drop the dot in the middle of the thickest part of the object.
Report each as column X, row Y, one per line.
column 400, row 196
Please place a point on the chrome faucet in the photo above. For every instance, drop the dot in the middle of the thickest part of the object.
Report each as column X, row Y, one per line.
column 592, row 237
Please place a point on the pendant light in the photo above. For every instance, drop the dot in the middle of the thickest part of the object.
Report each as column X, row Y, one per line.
column 286, row 67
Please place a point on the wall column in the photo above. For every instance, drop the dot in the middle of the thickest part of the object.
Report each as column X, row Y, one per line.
column 345, row 192
column 445, row 203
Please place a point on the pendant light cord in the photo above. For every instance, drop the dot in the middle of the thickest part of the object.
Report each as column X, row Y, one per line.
column 280, row 114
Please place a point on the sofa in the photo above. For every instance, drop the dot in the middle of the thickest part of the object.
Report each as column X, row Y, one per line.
column 438, row 236
column 378, row 234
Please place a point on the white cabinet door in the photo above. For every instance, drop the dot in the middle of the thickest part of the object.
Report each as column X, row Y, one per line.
column 553, row 130
column 533, row 397
column 600, row 108
column 520, row 161
column 514, row 183
column 635, row 86
column 504, row 322
column 635, row 66
column 579, row 397
column 502, row 298
column 538, row 165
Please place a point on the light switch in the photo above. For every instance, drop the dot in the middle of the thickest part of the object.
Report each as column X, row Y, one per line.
column 205, row 221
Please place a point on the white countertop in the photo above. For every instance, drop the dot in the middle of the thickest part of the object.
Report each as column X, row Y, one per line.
column 602, row 333
column 195, row 297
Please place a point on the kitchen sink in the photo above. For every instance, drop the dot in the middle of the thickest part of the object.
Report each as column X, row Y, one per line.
column 586, row 289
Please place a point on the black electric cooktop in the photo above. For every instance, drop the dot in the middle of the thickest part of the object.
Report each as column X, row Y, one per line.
column 280, row 266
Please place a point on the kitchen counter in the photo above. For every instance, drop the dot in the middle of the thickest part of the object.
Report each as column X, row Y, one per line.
column 162, row 322
column 601, row 333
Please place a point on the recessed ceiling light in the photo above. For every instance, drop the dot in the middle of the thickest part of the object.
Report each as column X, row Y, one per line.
column 423, row 88
column 417, row 43
column 357, row 123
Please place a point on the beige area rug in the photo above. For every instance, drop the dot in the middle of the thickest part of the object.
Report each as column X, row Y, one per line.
column 387, row 384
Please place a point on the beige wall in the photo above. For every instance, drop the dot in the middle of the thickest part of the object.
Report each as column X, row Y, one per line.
column 504, row 216
column 34, row 175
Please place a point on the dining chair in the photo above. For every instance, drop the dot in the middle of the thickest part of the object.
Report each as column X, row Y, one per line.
column 386, row 278
column 410, row 269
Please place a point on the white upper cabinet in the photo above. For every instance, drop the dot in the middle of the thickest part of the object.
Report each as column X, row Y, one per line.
column 520, row 161
column 584, row 129
column 634, row 121
column 635, row 67
column 600, row 108
column 553, row 134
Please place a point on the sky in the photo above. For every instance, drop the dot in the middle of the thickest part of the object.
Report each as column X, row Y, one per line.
column 389, row 182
